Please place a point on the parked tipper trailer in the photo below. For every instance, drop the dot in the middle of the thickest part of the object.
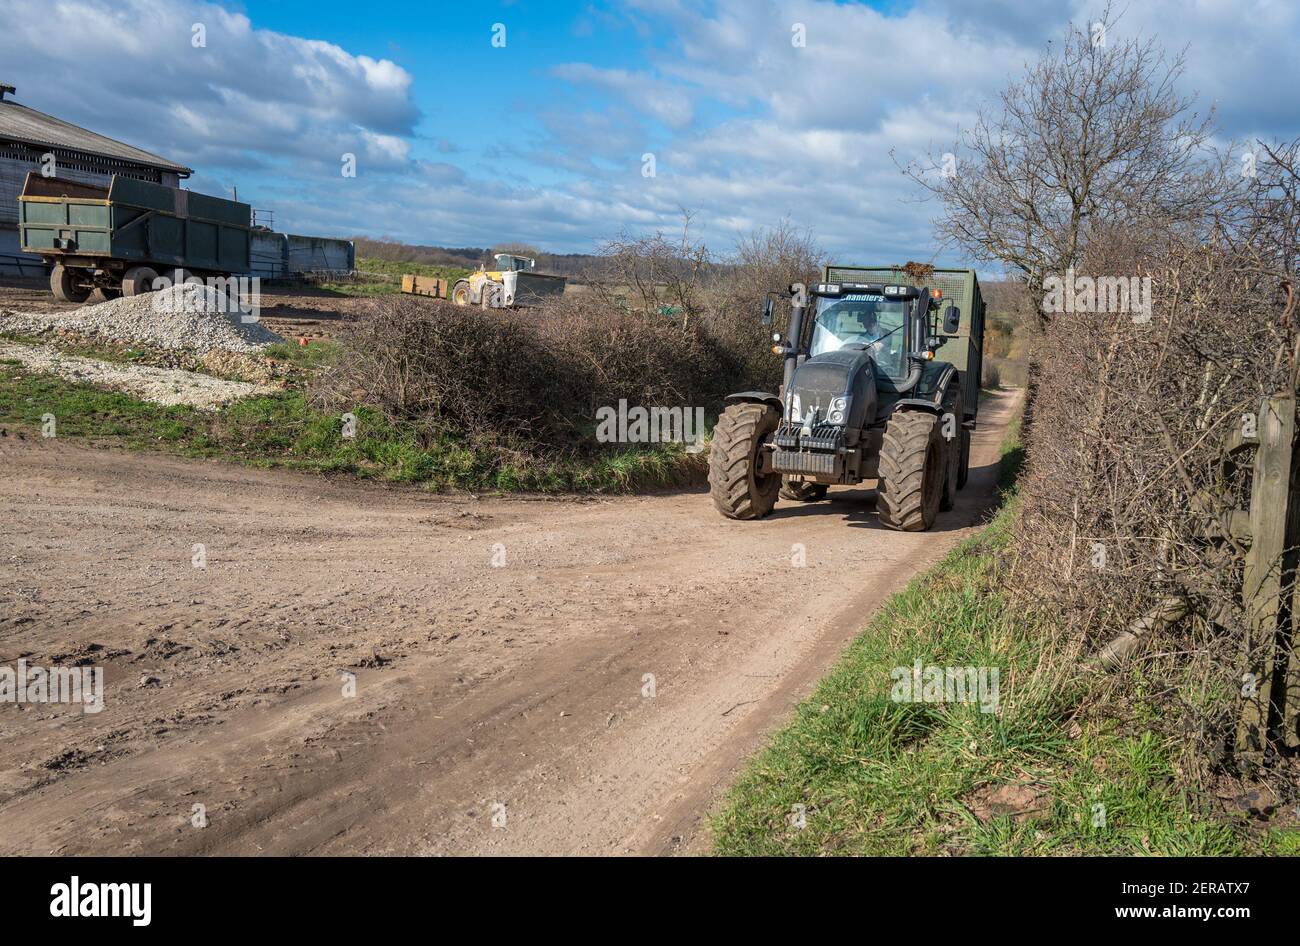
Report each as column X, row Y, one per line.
column 120, row 239
column 882, row 368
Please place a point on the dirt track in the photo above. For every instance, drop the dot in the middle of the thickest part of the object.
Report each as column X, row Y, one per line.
column 476, row 686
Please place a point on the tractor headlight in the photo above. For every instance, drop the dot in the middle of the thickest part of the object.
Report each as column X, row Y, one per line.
column 838, row 410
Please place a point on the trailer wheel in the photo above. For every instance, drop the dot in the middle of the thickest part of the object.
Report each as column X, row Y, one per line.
column 460, row 292
column 65, row 285
column 106, row 294
column 912, row 472
column 739, row 491
column 802, row 491
column 138, row 280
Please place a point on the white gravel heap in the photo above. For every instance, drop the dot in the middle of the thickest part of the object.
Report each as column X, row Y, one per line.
column 165, row 386
column 189, row 317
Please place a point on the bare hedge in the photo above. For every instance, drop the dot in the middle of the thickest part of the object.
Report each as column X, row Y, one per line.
column 665, row 326
column 1129, row 419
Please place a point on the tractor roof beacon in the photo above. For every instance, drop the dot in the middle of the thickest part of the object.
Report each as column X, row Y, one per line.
column 881, row 381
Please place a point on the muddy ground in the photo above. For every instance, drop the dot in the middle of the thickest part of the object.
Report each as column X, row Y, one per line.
column 598, row 690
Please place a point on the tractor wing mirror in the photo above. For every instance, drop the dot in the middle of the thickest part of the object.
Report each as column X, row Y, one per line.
column 951, row 320
column 766, row 315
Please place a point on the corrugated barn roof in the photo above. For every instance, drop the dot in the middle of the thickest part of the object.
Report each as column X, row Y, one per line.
column 20, row 123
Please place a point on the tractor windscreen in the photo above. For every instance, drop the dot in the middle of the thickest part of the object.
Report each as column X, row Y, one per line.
column 871, row 320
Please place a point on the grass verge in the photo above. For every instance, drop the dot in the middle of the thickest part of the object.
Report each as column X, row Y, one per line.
column 856, row 772
column 284, row 430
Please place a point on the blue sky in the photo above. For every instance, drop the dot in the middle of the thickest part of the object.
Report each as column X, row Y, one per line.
column 542, row 141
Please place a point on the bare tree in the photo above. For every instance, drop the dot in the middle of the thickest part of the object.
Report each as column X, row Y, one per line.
column 1094, row 136
column 654, row 273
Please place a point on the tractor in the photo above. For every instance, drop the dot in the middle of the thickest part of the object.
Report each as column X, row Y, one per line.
column 514, row 282
column 871, row 390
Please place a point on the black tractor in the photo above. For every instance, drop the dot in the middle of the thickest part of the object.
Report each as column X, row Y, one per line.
column 865, row 396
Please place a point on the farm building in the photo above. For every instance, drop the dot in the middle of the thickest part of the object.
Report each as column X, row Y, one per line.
column 85, row 157
column 80, row 155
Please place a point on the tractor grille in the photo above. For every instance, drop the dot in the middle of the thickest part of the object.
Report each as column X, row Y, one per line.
column 794, row 461
column 824, row 437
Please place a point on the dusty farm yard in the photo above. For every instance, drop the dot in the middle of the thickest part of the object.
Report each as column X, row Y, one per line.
column 523, row 686
column 290, row 311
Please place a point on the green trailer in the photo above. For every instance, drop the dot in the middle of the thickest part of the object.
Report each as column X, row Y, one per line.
column 120, row 239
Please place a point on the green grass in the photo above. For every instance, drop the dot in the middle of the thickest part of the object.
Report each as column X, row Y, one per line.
column 117, row 353
column 284, row 430
column 880, row 777
column 393, row 269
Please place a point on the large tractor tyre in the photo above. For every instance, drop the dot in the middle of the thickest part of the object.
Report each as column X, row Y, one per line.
column 951, row 420
column 460, row 294
column 963, row 468
column 138, row 280
column 912, row 472
column 493, row 295
column 738, row 491
column 66, row 286
column 802, row 491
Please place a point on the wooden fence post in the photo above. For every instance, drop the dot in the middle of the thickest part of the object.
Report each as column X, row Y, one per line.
column 1263, row 575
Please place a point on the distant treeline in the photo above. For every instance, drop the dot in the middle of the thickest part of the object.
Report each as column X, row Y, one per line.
column 563, row 264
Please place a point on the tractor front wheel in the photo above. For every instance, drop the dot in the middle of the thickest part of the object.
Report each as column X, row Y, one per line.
column 802, row 491
column 739, row 491
column 912, row 472
column 493, row 295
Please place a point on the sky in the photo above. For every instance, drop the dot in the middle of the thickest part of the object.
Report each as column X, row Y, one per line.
column 563, row 125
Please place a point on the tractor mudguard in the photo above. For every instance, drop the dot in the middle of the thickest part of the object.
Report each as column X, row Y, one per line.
column 756, row 397
column 929, row 391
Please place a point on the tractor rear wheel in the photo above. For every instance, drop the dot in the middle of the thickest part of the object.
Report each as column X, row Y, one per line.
column 912, row 472
column 66, row 287
column 963, row 469
column 802, row 491
column 460, row 292
column 739, row 491
column 950, row 426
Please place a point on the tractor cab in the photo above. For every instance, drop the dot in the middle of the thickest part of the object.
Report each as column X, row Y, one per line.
column 509, row 263
column 868, row 319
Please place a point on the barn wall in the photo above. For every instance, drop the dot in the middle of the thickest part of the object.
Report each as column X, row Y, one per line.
column 320, row 254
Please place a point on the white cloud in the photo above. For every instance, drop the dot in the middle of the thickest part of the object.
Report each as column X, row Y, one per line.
column 247, row 96
column 746, row 127
column 667, row 103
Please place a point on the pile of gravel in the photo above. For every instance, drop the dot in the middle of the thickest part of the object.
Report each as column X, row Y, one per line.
column 189, row 317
